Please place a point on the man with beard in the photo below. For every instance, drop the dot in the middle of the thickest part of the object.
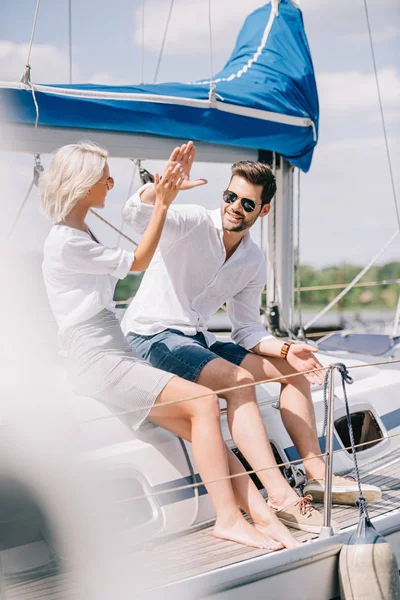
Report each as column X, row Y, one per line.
column 205, row 259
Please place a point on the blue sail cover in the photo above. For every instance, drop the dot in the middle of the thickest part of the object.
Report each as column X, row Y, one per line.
column 264, row 98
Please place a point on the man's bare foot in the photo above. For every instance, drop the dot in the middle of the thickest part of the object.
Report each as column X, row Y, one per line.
column 243, row 533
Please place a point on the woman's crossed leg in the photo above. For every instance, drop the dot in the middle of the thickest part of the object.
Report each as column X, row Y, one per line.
column 198, row 421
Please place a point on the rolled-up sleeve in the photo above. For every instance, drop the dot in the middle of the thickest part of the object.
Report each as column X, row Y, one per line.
column 244, row 313
column 135, row 213
column 86, row 256
column 180, row 218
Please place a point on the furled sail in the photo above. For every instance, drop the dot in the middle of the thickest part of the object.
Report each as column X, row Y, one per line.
column 265, row 97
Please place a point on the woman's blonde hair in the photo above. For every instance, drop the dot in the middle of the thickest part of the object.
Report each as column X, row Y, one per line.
column 73, row 170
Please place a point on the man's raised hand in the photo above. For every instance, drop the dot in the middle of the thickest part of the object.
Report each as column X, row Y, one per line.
column 185, row 156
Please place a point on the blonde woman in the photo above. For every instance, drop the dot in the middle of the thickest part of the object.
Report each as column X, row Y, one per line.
column 80, row 275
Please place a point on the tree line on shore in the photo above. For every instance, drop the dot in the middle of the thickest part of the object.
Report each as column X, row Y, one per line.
column 381, row 296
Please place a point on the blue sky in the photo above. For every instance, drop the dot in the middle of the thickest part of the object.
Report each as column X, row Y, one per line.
column 347, row 209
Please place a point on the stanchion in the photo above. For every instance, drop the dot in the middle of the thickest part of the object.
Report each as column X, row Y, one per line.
column 327, row 530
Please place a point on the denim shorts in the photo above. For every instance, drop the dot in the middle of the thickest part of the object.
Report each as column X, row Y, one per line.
column 186, row 356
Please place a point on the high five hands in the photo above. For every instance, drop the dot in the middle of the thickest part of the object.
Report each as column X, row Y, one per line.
column 168, row 186
column 185, row 156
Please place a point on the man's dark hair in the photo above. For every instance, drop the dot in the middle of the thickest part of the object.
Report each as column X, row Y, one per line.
column 259, row 174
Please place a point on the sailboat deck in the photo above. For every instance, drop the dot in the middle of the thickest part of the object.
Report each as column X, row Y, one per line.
column 197, row 551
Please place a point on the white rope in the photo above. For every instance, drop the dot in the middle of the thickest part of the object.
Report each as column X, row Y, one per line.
column 382, row 116
column 355, row 280
column 70, row 38
column 35, row 103
column 163, row 41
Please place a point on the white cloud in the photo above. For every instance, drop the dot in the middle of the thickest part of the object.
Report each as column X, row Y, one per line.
column 189, row 31
column 347, row 208
column 354, row 91
column 388, row 33
column 105, row 78
column 49, row 63
column 342, row 17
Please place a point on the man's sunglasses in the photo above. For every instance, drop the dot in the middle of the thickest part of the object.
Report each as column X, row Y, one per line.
column 247, row 205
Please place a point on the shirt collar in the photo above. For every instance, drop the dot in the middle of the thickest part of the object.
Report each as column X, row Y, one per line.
column 216, row 218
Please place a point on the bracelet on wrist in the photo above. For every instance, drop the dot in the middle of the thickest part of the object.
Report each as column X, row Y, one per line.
column 285, row 349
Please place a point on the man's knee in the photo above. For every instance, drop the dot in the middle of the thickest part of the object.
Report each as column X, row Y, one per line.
column 241, row 377
column 290, row 376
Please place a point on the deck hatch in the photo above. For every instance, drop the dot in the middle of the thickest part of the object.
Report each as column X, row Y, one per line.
column 365, row 428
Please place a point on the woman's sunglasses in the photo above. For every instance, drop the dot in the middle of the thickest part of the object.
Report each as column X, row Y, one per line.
column 247, row 205
column 109, row 183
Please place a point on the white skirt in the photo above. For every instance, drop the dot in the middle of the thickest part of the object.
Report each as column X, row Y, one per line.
column 102, row 365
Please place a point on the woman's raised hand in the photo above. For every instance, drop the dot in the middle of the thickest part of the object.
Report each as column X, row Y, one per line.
column 169, row 185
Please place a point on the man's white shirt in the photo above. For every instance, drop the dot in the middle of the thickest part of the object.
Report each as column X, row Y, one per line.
column 189, row 278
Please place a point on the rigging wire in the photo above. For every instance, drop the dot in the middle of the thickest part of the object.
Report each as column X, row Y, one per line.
column 93, row 212
column 212, row 96
column 33, row 33
column 392, row 238
column 338, row 286
column 70, row 38
column 136, row 164
column 37, row 170
column 396, row 320
column 26, row 75
column 382, row 114
column 163, row 41
column 354, row 281
column 142, row 79
column 192, row 473
column 13, row 226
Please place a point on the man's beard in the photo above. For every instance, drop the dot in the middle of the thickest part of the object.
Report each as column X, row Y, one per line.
column 229, row 226
column 236, row 228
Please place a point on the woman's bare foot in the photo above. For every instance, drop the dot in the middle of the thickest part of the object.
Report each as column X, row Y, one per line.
column 242, row 532
column 277, row 532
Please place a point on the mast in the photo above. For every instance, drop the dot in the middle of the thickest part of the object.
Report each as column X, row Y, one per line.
column 280, row 251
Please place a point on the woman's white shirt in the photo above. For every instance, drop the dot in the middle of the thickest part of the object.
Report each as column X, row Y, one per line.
column 80, row 275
